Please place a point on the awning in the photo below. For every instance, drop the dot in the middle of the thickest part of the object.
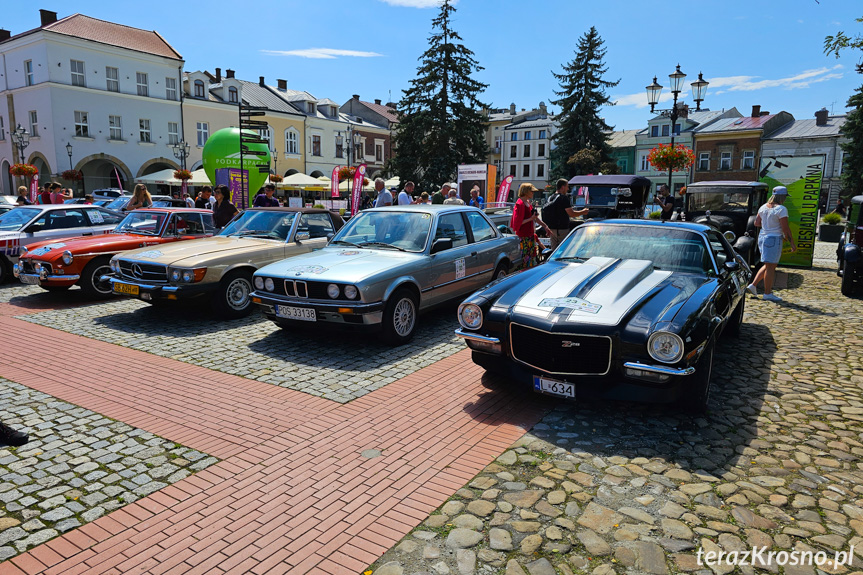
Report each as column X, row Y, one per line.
column 164, row 177
column 302, row 181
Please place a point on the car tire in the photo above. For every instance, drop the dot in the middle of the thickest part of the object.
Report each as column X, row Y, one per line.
column 5, row 270
column 401, row 314
column 736, row 320
column 848, row 287
column 501, row 271
column 55, row 289
column 233, row 298
column 89, row 282
column 697, row 386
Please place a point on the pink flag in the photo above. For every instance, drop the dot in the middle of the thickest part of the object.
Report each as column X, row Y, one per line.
column 334, row 182
column 116, row 173
column 359, row 174
column 34, row 187
column 503, row 191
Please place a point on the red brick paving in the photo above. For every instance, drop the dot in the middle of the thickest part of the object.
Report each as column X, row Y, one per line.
column 292, row 493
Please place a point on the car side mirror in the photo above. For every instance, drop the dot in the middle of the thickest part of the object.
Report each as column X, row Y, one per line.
column 33, row 228
column 545, row 253
column 441, row 244
column 732, row 265
column 301, row 236
column 330, row 236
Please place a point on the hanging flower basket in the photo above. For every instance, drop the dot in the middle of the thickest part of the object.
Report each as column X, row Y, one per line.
column 347, row 173
column 72, row 175
column 183, row 174
column 25, row 170
column 664, row 157
column 276, row 178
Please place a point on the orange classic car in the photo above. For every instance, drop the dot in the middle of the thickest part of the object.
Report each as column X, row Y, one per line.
column 59, row 264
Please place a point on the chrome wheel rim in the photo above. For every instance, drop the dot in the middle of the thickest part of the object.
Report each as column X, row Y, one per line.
column 404, row 317
column 100, row 286
column 237, row 294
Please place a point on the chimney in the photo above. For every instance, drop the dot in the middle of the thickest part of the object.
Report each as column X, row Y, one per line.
column 756, row 111
column 356, row 97
column 283, row 84
column 765, row 113
column 821, row 117
column 218, row 75
column 5, row 34
column 261, row 81
column 378, row 101
column 47, row 17
column 542, row 108
column 229, row 73
column 512, row 108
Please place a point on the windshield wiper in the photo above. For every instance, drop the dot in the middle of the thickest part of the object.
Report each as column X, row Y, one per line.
column 346, row 243
column 572, row 259
column 383, row 245
column 258, row 233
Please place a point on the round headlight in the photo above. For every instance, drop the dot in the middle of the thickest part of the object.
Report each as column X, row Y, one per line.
column 23, row 251
column 333, row 291
column 665, row 347
column 729, row 235
column 259, row 282
column 188, row 276
column 175, row 275
column 470, row 316
column 67, row 257
column 37, row 266
column 269, row 285
column 351, row 292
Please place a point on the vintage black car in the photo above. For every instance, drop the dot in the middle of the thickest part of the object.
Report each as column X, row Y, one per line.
column 731, row 208
column 849, row 251
column 610, row 196
column 623, row 309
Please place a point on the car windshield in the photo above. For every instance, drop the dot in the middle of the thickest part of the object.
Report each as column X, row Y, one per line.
column 144, row 223
column 14, row 220
column 730, row 201
column 117, row 204
column 400, row 230
column 668, row 249
column 261, row 224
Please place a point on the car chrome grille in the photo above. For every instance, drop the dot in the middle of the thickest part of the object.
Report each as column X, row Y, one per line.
column 560, row 353
column 146, row 273
column 306, row 290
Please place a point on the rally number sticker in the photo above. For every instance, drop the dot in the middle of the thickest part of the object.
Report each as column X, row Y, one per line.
column 96, row 217
column 459, row 268
column 572, row 303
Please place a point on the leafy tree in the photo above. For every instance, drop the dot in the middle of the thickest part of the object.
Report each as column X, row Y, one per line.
column 841, row 41
column 589, row 161
column 582, row 94
column 441, row 125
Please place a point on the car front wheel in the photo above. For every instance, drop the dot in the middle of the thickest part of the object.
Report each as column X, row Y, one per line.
column 93, row 287
column 400, row 317
column 233, row 298
column 697, row 390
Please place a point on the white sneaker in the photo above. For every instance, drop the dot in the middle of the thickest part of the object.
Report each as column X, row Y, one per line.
column 751, row 289
column 771, row 297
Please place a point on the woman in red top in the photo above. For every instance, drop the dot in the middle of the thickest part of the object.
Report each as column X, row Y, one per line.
column 524, row 220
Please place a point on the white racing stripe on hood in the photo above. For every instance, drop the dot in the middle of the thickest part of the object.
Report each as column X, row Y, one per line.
column 559, row 284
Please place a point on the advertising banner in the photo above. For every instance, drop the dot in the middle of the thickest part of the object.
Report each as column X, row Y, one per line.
column 34, row 188
column 503, row 191
column 359, row 174
column 222, row 151
column 470, row 175
column 334, row 183
column 233, row 178
column 802, row 176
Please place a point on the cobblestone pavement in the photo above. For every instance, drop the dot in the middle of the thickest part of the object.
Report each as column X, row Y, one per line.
column 77, row 466
column 255, row 348
column 614, row 487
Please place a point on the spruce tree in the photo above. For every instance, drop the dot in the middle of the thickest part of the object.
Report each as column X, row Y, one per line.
column 852, row 169
column 582, row 95
column 441, row 125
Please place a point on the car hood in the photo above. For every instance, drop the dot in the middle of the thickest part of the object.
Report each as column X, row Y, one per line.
column 602, row 291
column 90, row 244
column 340, row 264
column 200, row 251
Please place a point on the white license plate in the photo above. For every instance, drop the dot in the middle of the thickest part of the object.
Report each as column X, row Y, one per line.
column 32, row 280
column 554, row 387
column 299, row 313
column 545, row 241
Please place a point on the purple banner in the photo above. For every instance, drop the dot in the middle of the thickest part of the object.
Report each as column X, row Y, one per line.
column 233, row 178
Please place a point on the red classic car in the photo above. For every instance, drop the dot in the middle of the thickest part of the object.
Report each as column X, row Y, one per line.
column 59, row 264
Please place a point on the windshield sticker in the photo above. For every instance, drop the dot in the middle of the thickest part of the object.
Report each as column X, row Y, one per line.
column 308, row 269
column 572, row 303
column 459, row 268
column 151, row 254
column 95, row 216
column 349, row 253
column 426, row 216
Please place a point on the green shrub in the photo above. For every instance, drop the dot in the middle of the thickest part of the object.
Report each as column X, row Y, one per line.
column 831, row 219
column 655, row 215
column 320, row 206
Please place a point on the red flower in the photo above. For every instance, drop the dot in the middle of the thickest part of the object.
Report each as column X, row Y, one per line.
column 183, row 174
column 664, row 157
column 28, row 170
column 72, row 175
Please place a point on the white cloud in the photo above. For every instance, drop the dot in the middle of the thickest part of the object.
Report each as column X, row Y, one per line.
column 416, row 3
column 743, row 84
column 322, row 53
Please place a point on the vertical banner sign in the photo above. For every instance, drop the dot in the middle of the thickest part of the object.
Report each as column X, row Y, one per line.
column 359, row 174
column 334, row 182
column 235, row 180
column 490, row 181
column 470, row 175
column 34, row 188
column 802, row 176
column 503, row 191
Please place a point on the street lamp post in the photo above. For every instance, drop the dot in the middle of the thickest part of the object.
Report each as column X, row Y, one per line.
column 181, row 152
column 22, row 139
column 69, row 151
column 699, row 89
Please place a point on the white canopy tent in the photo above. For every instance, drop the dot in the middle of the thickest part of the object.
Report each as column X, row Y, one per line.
column 303, row 181
column 164, row 177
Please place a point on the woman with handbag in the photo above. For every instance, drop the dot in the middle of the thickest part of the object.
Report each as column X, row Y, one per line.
column 524, row 220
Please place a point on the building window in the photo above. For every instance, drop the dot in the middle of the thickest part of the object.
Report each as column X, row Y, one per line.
column 170, row 88
column 540, row 150
column 654, row 131
column 28, row 72
column 115, row 128
column 704, row 161
column 233, row 95
column 513, row 137
column 173, row 133
column 143, row 83
column 199, row 89
column 316, row 146
column 82, row 125
column 645, row 165
column 749, row 160
column 624, row 165
column 676, row 129
column 333, row 111
column 310, row 106
column 292, row 142
column 725, row 161
column 665, row 130
column 525, row 171
column 34, row 124
column 358, row 151
column 542, row 134
column 512, row 171
column 77, row 67
column 202, row 129
column 540, row 170
column 513, row 151
column 112, row 78
column 340, row 146
column 527, row 135
column 144, row 130
column 498, row 143
column 497, row 165
column 2, row 129
column 527, row 150
column 264, row 134
column 839, row 173
column 379, row 153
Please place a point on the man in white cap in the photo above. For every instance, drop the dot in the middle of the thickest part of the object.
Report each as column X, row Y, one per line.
column 772, row 218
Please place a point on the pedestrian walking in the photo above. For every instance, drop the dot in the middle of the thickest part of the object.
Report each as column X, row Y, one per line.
column 224, row 211
column 266, row 200
column 44, row 196
column 424, row 199
column 384, row 198
column 190, row 203
column 58, row 194
column 524, row 220
column 772, row 218
column 140, row 199
column 557, row 212
column 840, row 208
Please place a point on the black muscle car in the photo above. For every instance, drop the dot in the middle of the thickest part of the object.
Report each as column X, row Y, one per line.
column 623, row 309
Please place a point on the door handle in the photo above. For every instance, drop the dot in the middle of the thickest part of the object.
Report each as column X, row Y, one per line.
column 89, row 234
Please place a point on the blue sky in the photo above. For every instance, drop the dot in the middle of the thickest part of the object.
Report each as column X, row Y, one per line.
column 766, row 52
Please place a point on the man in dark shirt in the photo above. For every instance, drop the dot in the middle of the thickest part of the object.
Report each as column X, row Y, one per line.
column 203, row 202
column 557, row 212
column 666, row 202
column 266, row 200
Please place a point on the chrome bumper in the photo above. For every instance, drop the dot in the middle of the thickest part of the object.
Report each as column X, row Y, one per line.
column 476, row 337
column 37, row 279
column 659, row 368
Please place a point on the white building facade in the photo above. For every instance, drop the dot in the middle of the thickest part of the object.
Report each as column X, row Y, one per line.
column 526, row 149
